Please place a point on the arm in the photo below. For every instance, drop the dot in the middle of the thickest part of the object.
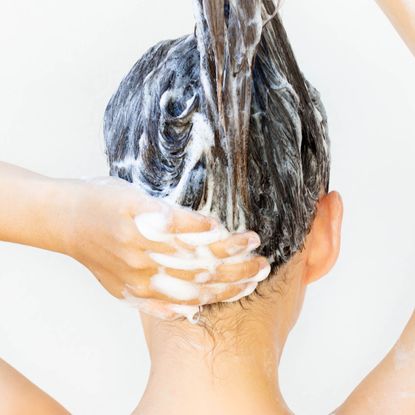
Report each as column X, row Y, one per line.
column 19, row 396
column 402, row 15
column 390, row 387
column 94, row 222
column 30, row 209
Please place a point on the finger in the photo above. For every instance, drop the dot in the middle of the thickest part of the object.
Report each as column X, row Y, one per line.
column 164, row 310
column 185, row 221
column 229, row 273
column 217, row 293
column 160, row 286
column 111, row 283
column 144, row 244
column 167, row 225
column 153, row 227
column 224, row 273
column 197, row 276
column 156, row 308
column 137, row 260
column 235, row 244
column 151, row 237
column 202, row 269
column 256, row 269
column 203, row 260
column 140, row 278
column 199, row 295
column 170, row 311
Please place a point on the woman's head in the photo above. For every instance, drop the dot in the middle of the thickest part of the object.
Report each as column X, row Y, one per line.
column 223, row 121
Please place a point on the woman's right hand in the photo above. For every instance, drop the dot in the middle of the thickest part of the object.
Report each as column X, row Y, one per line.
column 103, row 222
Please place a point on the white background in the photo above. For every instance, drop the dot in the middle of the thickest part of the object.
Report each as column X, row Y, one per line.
column 59, row 64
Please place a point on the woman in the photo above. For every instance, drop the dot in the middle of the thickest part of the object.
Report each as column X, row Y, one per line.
column 201, row 99
column 93, row 222
column 236, row 347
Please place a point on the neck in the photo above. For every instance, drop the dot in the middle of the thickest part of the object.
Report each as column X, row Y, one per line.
column 236, row 372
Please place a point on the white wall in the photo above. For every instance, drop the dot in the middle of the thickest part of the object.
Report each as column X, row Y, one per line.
column 60, row 62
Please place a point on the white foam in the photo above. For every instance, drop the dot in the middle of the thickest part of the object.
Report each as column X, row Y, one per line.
column 247, row 291
column 236, row 259
column 204, row 238
column 162, row 310
column 201, row 140
column 209, row 295
column 174, row 287
column 260, row 276
column 178, row 262
column 146, row 306
column 153, row 226
column 190, row 312
column 202, row 277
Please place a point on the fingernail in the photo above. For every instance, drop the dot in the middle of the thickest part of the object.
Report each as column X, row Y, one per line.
column 253, row 241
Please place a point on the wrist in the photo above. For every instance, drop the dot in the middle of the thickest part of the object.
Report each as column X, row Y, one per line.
column 52, row 207
column 63, row 197
column 36, row 210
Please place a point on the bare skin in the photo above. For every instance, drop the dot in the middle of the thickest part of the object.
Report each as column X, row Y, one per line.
column 237, row 373
column 401, row 13
column 390, row 387
column 93, row 222
column 240, row 374
column 243, row 374
column 20, row 396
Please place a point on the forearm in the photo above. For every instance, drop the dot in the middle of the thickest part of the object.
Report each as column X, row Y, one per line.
column 402, row 15
column 390, row 387
column 32, row 209
column 19, row 396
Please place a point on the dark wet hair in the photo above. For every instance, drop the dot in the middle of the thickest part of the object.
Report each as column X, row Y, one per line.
column 224, row 122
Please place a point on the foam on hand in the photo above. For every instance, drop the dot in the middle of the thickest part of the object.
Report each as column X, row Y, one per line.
column 154, row 226
column 204, row 238
column 247, row 291
column 222, row 121
column 174, row 287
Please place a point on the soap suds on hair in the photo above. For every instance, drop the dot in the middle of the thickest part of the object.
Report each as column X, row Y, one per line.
column 222, row 121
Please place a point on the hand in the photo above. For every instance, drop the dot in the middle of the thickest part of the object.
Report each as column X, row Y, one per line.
column 139, row 247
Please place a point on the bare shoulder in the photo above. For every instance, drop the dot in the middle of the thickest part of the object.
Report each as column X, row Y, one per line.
column 20, row 396
column 390, row 387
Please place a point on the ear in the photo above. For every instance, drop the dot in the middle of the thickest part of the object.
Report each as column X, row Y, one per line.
column 323, row 242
